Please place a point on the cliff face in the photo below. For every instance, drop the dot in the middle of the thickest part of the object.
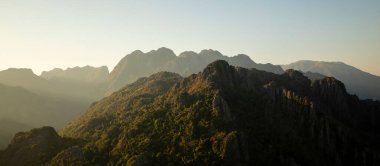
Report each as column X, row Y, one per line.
column 331, row 126
column 227, row 115
column 317, row 121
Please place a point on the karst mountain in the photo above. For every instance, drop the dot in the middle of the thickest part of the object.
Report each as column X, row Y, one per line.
column 223, row 115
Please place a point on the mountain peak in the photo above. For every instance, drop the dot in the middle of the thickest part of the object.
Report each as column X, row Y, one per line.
column 295, row 74
column 43, row 132
column 164, row 49
column 164, row 75
column 162, row 52
column 218, row 63
column 135, row 53
column 217, row 67
column 19, row 71
column 210, row 52
column 243, row 56
column 188, row 54
column 219, row 73
column 331, row 82
column 155, row 83
column 243, row 60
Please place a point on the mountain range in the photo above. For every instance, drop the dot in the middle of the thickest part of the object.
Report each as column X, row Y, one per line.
column 64, row 85
column 223, row 115
column 92, row 83
column 138, row 64
column 86, row 74
column 158, row 106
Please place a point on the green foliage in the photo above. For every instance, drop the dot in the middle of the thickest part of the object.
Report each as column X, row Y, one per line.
column 155, row 124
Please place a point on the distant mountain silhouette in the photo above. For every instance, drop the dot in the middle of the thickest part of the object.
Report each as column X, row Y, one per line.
column 224, row 115
column 24, row 78
column 138, row 64
column 28, row 100
column 73, row 83
column 22, row 110
column 82, row 74
column 358, row 82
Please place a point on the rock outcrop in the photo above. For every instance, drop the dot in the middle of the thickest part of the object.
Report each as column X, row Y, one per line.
column 35, row 147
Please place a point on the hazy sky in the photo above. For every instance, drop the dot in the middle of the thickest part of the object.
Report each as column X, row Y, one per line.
column 43, row 34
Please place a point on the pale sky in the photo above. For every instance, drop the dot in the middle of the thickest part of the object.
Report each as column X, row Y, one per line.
column 44, row 34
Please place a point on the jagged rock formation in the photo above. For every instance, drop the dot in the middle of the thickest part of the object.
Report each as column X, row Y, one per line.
column 227, row 115
column 139, row 64
column 365, row 85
